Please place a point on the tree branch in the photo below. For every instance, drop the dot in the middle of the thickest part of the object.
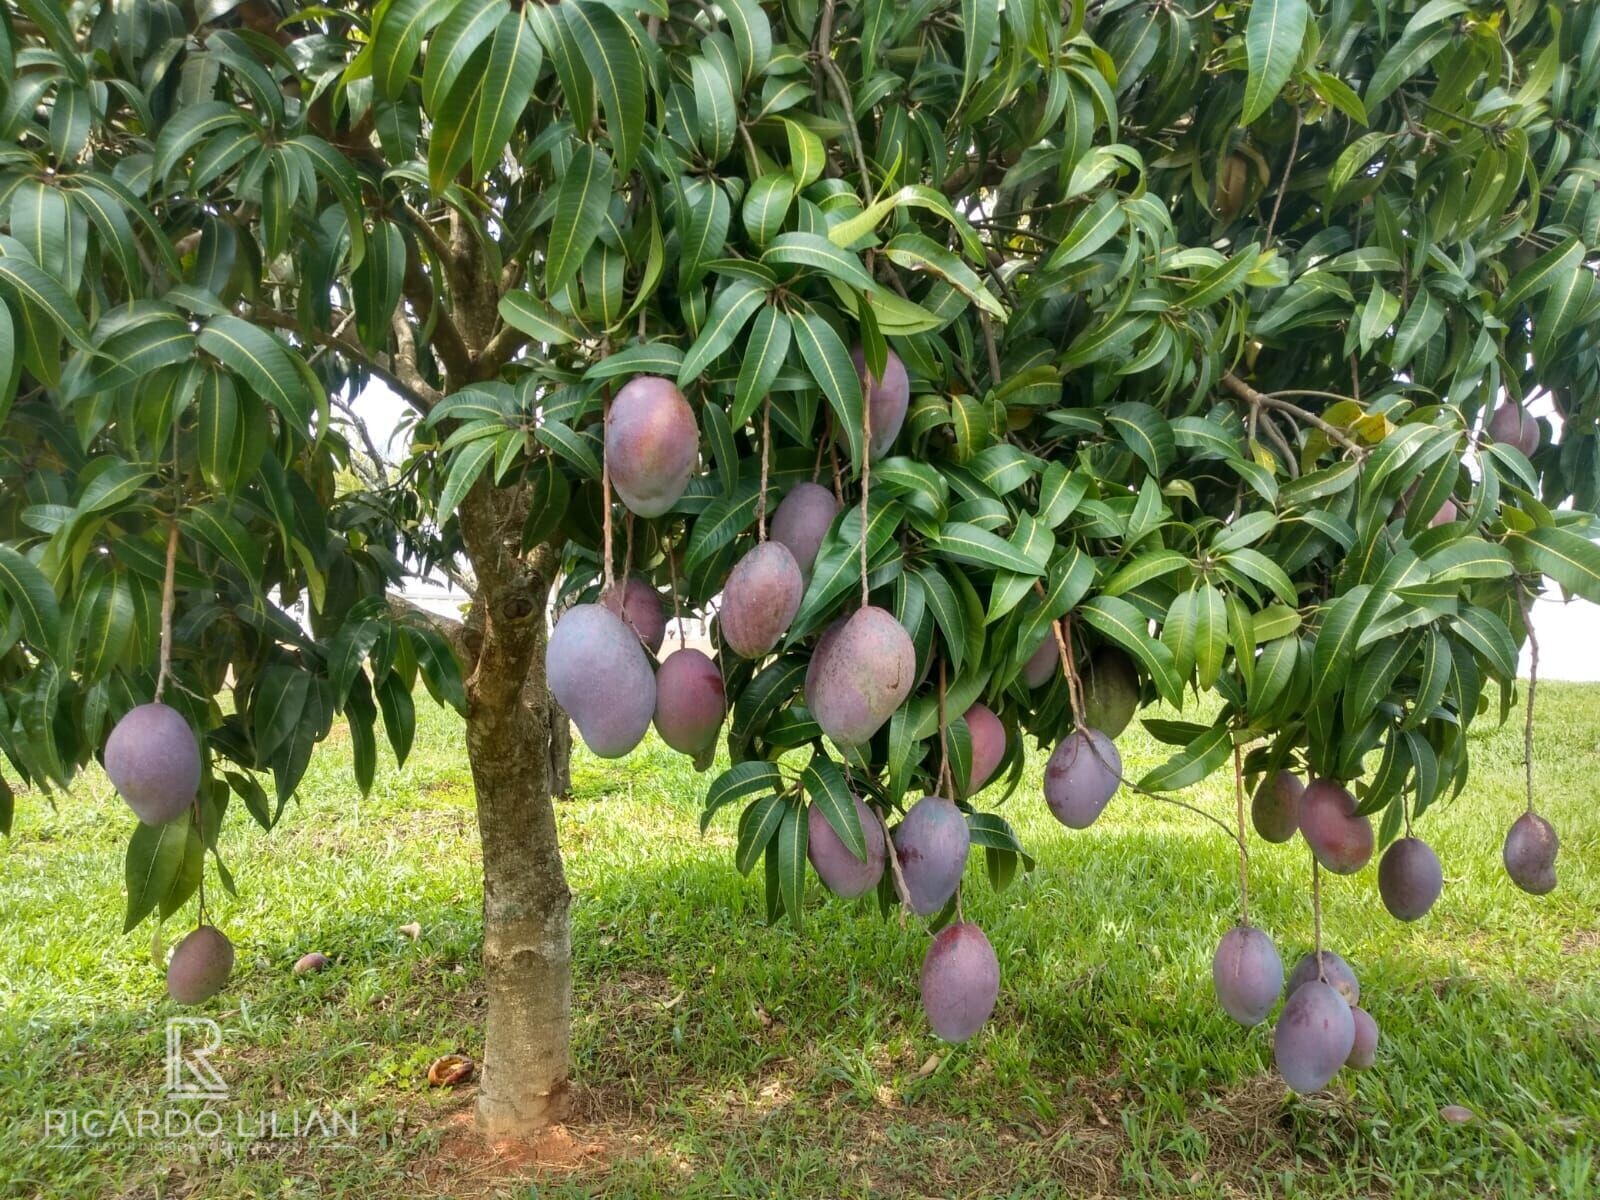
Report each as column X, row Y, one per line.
column 841, row 90
column 1245, row 392
column 416, row 391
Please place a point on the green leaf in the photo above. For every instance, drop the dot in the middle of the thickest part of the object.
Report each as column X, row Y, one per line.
column 806, row 154
column 705, row 215
column 1211, row 634
column 1126, row 626
column 793, row 836
column 514, row 61
column 1272, row 39
column 722, row 520
column 212, row 524
column 830, row 365
column 612, row 55
column 1337, row 637
column 111, row 483
column 1469, row 558
column 729, row 312
column 276, row 708
column 1093, row 228
column 398, row 39
column 1570, row 559
column 108, row 628
column 824, row 783
column 1542, row 273
column 466, row 466
column 819, row 254
column 1143, row 569
column 918, row 253
column 714, row 105
column 154, row 861
column 32, row 599
column 980, row 25
column 265, row 365
column 220, row 430
column 186, row 128
column 965, row 543
column 527, row 314
column 580, row 212
column 752, row 35
column 469, row 24
column 757, row 824
column 376, row 284
column 738, row 781
column 766, row 204
column 1488, row 636
column 1194, row 762
column 1146, row 432
column 1222, row 280
column 765, row 349
column 1415, row 49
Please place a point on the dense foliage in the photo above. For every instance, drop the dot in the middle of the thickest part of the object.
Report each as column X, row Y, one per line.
column 1204, row 317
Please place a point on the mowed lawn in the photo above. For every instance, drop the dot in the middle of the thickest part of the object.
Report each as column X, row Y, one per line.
column 719, row 1057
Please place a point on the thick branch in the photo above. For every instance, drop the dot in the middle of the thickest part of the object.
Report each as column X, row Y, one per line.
column 415, row 391
column 453, row 351
column 1249, row 394
column 501, row 349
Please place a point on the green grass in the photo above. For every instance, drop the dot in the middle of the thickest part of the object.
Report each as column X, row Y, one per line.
column 718, row 1057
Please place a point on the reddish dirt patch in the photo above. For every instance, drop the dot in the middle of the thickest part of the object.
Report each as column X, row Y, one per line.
column 465, row 1165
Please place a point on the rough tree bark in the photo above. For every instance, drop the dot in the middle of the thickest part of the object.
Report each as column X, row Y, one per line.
column 527, row 950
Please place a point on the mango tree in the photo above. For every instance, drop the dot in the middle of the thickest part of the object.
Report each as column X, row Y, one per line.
column 1001, row 369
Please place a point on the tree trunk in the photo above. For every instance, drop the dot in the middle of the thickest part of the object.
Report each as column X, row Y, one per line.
column 467, row 637
column 526, row 939
column 527, row 948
